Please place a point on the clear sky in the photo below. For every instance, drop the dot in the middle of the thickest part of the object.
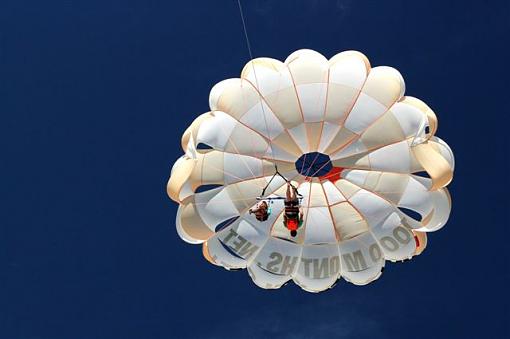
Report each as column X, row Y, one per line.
column 94, row 97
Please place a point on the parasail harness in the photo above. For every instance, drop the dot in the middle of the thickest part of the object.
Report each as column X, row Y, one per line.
column 270, row 199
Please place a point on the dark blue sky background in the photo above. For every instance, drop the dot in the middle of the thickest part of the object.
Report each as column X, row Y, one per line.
column 94, row 97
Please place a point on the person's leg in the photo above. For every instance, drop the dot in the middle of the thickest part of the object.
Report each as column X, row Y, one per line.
column 293, row 192
column 289, row 198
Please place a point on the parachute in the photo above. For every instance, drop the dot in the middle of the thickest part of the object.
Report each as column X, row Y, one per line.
column 363, row 156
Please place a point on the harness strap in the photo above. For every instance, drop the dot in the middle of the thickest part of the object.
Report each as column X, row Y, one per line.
column 286, row 180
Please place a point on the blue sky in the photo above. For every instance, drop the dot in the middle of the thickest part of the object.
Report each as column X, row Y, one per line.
column 94, row 97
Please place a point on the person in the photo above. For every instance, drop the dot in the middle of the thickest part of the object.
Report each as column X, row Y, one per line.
column 293, row 216
column 261, row 211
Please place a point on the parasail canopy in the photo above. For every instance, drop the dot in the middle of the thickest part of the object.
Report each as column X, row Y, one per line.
column 364, row 157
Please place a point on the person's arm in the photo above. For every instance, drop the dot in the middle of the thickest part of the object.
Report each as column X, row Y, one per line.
column 257, row 208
